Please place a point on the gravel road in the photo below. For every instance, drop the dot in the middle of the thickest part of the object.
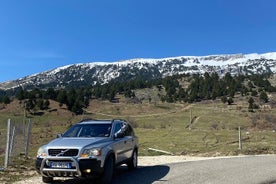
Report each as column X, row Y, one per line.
column 238, row 170
column 181, row 169
column 143, row 161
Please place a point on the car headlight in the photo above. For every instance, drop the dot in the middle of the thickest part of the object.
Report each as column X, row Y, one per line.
column 91, row 152
column 41, row 152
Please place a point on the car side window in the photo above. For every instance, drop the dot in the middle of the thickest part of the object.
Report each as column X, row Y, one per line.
column 118, row 127
column 129, row 131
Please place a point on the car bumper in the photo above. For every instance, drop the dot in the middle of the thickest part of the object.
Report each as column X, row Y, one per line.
column 79, row 167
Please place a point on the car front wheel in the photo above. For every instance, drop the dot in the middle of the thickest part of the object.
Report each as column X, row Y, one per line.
column 108, row 170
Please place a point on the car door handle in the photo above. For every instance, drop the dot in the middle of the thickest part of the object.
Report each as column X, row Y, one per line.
column 125, row 142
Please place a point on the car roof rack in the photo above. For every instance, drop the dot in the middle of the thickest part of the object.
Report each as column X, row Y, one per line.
column 91, row 119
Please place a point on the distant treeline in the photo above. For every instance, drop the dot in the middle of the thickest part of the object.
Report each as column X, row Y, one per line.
column 198, row 87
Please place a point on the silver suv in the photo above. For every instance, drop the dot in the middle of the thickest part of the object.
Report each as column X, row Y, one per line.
column 89, row 148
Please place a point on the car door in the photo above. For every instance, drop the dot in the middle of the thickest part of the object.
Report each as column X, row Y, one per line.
column 129, row 141
column 119, row 142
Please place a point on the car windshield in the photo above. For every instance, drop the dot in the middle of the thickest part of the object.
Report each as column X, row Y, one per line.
column 88, row 130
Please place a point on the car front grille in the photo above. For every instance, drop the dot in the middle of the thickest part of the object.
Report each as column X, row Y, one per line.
column 63, row 152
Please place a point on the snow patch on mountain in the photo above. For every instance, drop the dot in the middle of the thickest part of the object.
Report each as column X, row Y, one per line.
column 147, row 68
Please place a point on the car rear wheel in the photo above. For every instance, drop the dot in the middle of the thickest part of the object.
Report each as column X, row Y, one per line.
column 133, row 163
column 47, row 179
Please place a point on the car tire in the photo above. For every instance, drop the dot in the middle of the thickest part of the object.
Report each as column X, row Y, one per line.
column 47, row 179
column 133, row 163
column 108, row 170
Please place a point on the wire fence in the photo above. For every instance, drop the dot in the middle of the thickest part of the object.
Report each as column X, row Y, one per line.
column 14, row 141
column 2, row 145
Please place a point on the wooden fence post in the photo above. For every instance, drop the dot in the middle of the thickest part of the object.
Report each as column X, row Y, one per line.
column 240, row 139
column 7, row 144
column 12, row 140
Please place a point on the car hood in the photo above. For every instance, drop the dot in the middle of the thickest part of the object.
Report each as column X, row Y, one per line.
column 79, row 143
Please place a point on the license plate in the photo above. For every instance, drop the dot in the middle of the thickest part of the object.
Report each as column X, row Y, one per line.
column 64, row 165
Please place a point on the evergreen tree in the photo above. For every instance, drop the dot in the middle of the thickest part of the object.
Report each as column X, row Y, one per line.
column 182, row 95
column 224, row 99
column 112, row 95
column 250, row 85
column 71, row 99
column 104, row 93
column 77, row 108
column 50, row 93
column 264, row 97
column 21, row 95
column 254, row 93
column 30, row 105
column 230, row 101
column 61, row 97
column 251, row 105
column 40, row 104
column 6, row 100
column 46, row 104
column 128, row 93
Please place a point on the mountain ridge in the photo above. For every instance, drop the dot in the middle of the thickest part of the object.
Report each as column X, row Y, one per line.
column 145, row 68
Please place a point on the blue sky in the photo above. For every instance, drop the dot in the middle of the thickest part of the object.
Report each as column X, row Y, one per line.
column 38, row 35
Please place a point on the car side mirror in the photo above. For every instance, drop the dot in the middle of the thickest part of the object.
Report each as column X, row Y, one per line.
column 119, row 134
column 59, row 135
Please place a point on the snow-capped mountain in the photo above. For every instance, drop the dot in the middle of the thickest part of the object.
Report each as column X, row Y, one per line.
column 103, row 72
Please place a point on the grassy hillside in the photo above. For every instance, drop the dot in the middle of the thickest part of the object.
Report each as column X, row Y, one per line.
column 207, row 128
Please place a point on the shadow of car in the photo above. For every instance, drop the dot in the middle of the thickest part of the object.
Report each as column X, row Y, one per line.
column 143, row 174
